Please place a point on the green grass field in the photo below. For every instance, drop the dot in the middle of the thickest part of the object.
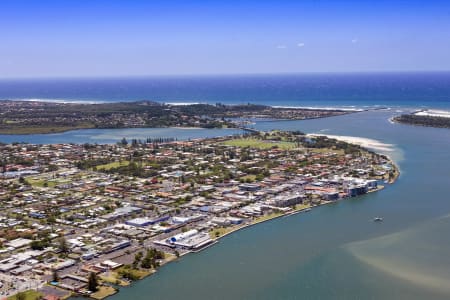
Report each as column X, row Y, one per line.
column 250, row 177
column 29, row 295
column 112, row 165
column 138, row 273
column 220, row 231
column 103, row 292
column 41, row 182
column 259, row 144
column 269, row 216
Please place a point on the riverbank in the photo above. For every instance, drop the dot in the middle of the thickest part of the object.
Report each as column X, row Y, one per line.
column 425, row 118
column 367, row 143
column 221, row 232
column 272, row 182
column 30, row 130
column 62, row 129
column 370, row 144
column 25, row 117
column 303, row 208
column 260, row 220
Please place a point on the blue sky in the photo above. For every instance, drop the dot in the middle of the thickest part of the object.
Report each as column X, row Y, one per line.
column 122, row 38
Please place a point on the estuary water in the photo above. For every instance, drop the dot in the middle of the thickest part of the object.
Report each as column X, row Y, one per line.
column 336, row 251
column 111, row 136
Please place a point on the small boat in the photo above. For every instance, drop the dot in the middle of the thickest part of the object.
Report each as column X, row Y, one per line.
column 307, row 209
column 378, row 219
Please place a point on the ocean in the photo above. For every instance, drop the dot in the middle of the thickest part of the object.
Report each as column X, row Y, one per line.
column 318, row 90
column 334, row 251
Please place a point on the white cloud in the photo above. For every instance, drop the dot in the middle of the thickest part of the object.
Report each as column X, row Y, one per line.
column 354, row 41
column 281, row 47
column 301, row 45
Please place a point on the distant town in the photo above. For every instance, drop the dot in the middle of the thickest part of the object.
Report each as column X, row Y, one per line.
column 32, row 117
column 84, row 219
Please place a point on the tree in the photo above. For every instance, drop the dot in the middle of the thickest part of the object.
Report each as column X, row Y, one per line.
column 127, row 273
column 39, row 245
column 52, row 168
column 21, row 296
column 124, row 142
column 137, row 259
column 147, row 262
column 51, row 220
column 63, row 247
column 150, row 259
column 92, row 282
column 55, row 277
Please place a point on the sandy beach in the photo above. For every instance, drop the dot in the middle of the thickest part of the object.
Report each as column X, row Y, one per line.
column 433, row 113
column 363, row 142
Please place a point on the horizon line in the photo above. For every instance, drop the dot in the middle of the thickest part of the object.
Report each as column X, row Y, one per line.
column 62, row 77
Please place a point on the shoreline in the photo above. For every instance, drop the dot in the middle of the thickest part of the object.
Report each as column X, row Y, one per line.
column 366, row 143
column 293, row 212
column 107, row 128
column 60, row 130
column 275, row 214
column 394, row 121
column 253, row 223
column 370, row 144
column 12, row 127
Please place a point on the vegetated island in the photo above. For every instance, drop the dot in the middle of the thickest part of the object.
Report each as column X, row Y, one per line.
column 33, row 117
column 92, row 217
column 428, row 118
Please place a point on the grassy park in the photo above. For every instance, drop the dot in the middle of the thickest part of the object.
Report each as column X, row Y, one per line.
column 103, row 292
column 112, row 165
column 259, row 144
column 27, row 295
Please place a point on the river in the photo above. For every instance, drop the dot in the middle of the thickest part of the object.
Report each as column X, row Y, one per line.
column 336, row 251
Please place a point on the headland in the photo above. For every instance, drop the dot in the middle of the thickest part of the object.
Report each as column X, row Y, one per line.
column 36, row 117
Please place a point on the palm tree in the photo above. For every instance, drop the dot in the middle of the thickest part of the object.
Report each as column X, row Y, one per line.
column 55, row 277
column 92, row 282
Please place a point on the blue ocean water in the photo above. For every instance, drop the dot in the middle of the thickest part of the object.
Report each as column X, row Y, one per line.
column 333, row 89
